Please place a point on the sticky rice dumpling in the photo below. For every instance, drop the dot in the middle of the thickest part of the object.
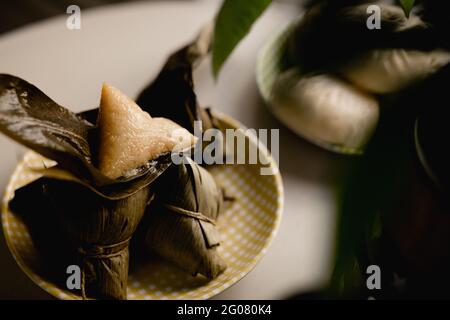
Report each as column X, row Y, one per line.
column 100, row 230
column 100, row 186
column 326, row 110
column 391, row 70
column 130, row 137
column 182, row 221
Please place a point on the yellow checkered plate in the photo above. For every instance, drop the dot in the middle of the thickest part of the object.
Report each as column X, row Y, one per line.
column 247, row 229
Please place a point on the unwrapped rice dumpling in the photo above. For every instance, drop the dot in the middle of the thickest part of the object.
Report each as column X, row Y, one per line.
column 325, row 109
column 130, row 137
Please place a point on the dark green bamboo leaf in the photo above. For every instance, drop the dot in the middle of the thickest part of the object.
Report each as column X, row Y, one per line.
column 407, row 6
column 233, row 22
column 371, row 187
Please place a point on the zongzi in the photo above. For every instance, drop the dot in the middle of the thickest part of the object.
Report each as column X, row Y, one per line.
column 326, row 110
column 130, row 137
column 99, row 209
column 342, row 27
column 182, row 221
column 391, row 70
column 101, row 230
column 171, row 94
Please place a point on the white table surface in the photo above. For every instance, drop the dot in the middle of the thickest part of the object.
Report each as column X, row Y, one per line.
column 126, row 45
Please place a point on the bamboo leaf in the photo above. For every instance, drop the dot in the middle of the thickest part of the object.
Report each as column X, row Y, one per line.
column 371, row 187
column 31, row 118
column 192, row 208
column 233, row 23
column 407, row 6
column 171, row 94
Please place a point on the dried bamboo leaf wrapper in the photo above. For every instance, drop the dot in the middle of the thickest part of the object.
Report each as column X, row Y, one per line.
column 181, row 220
column 98, row 212
column 31, row 118
column 330, row 20
column 171, row 94
column 36, row 212
column 101, row 230
column 196, row 190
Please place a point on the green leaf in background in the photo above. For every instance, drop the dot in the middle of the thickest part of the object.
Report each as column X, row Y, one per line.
column 374, row 184
column 233, row 22
column 407, row 6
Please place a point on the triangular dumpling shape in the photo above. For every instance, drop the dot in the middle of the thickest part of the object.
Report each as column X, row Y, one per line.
column 130, row 137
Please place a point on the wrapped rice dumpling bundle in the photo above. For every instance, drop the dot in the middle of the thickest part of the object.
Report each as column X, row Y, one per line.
column 128, row 139
column 326, row 110
column 101, row 184
column 342, row 27
column 182, row 221
column 101, row 229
